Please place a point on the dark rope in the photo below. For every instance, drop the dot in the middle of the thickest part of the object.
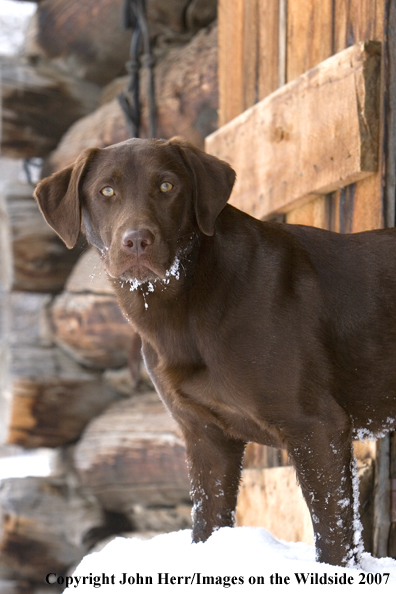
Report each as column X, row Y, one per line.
column 135, row 17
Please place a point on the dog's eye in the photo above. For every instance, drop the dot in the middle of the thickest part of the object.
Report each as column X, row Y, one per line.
column 107, row 191
column 166, row 187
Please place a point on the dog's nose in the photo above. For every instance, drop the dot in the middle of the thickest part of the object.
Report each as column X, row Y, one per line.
column 136, row 241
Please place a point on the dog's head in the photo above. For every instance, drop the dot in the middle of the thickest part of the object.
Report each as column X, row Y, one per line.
column 138, row 202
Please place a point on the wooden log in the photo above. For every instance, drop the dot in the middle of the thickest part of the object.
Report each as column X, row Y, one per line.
column 45, row 527
column 50, row 398
column 92, row 329
column 133, row 455
column 284, row 149
column 33, row 256
column 86, row 41
column 46, row 398
column 98, row 47
column 87, row 321
column 187, row 101
column 39, row 103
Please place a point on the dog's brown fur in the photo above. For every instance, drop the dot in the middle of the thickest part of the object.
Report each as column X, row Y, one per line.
column 279, row 334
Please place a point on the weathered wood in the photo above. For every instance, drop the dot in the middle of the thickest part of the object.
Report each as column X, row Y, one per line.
column 284, row 149
column 187, row 101
column 44, row 526
column 46, row 398
column 357, row 20
column 316, row 212
column 88, row 276
column 269, row 47
column 87, row 321
column 88, row 41
column 309, row 41
column 366, row 205
column 161, row 519
column 260, row 456
column 392, row 533
column 271, row 498
column 52, row 399
column 237, row 57
column 382, row 507
column 309, row 34
column 133, row 455
column 33, row 256
column 92, row 329
column 39, row 103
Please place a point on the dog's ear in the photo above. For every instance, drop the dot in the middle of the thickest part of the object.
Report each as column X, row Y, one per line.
column 213, row 182
column 58, row 198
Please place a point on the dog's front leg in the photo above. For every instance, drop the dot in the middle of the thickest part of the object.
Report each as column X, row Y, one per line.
column 214, row 462
column 324, row 464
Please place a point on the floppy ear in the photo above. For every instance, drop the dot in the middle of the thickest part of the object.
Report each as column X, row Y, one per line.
column 59, row 201
column 213, row 181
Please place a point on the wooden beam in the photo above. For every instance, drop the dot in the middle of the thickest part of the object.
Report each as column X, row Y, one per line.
column 314, row 135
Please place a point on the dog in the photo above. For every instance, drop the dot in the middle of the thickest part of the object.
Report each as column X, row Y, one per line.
column 284, row 335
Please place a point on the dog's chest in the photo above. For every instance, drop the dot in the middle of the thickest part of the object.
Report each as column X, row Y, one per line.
column 191, row 387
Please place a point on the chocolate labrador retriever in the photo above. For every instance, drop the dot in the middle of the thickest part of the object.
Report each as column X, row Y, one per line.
column 252, row 331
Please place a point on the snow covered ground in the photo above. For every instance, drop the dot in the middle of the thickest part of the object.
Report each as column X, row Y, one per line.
column 242, row 560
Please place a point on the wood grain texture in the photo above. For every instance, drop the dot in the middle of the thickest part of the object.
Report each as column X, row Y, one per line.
column 47, row 398
column 45, row 526
column 284, row 148
column 133, row 454
column 268, row 59
column 92, row 329
column 309, row 41
column 237, row 57
column 187, row 102
column 272, row 499
column 309, row 34
column 34, row 257
column 366, row 205
column 39, row 103
column 357, row 20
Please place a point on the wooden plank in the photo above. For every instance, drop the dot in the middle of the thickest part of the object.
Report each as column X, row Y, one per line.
column 309, row 41
column 269, row 47
column 315, row 213
column 309, row 34
column 357, row 20
column 237, row 57
column 363, row 208
column 271, row 498
column 284, row 148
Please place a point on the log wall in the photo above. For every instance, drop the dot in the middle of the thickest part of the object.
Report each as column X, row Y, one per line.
column 71, row 375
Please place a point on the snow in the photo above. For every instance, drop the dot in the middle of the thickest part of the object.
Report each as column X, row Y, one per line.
column 14, row 18
column 37, row 464
column 243, row 559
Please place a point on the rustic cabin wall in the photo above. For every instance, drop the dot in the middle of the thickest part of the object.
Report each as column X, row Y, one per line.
column 263, row 45
column 68, row 355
